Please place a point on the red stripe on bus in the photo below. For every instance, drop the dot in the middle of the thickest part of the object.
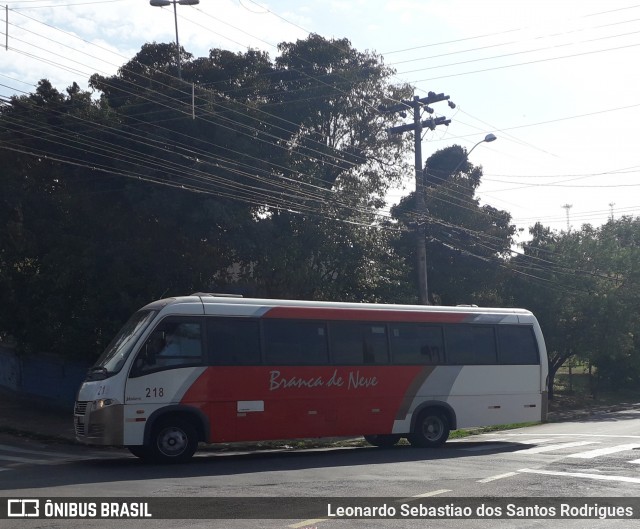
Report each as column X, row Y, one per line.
column 306, row 313
column 344, row 400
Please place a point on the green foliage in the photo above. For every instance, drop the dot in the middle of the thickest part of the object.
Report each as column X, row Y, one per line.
column 112, row 201
column 466, row 243
column 583, row 286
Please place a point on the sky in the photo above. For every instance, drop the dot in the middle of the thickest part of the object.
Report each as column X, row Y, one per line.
column 557, row 81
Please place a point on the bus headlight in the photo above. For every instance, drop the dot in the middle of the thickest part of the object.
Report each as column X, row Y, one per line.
column 102, row 403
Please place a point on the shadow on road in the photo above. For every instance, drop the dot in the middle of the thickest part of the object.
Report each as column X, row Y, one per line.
column 129, row 468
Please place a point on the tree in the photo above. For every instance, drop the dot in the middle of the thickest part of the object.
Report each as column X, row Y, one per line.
column 116, row 201
column 84, row 243
column 340, row 162
column 583, row 287
column 466, row 243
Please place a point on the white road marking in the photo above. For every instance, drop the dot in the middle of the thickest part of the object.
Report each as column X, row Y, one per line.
column 551, row 448
column 16, row 459
column 488, row 446
column 599, row 477
column 575, row 435
column 533, row 441
column 425, row 495
column 499, row 476
column 17, row 450
column 590, row 454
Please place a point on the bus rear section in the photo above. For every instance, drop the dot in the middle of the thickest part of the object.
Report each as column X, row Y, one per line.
column 205, row 369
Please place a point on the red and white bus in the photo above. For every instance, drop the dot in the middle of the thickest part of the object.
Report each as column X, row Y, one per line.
column 218, row 369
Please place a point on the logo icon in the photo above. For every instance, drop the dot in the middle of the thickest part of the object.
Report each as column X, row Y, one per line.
column 29, row 508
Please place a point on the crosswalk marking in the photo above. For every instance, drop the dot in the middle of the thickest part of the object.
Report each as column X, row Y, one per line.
column 534, row 441
column 600, row 477
column 17, row 459
column 499, row 476
column 496, row 444
column 605, row 451
column 17, row 450
column 486, row 446
column 551, row 448
column 11, row 456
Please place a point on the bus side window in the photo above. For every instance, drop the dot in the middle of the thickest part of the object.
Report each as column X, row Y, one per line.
column 470, row 344
column 172, row 344
column 517, row 345
column 233, row 341
column 288, row 342
column 414, row 343
column 359, row 343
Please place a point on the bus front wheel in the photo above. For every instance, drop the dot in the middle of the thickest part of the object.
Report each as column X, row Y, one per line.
column 431, row 429
column 382, row 440
column 173, row 441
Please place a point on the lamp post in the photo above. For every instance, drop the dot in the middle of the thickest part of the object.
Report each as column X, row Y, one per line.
column 488, row 139
column 165, row 3
column 421, row 244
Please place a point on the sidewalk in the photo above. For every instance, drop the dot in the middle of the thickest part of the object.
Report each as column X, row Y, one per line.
column 35, row 416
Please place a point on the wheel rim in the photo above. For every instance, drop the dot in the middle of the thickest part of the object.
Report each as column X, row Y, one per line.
column 432, row 428
column 172, row 441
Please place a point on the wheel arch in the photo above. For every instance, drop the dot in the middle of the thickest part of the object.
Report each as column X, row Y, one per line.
column 439, row 405
column 193, row 415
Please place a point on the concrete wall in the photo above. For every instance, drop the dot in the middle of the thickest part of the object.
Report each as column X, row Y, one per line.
column 48, row 376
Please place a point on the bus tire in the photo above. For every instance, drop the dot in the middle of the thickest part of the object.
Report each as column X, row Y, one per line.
column 431, row 429
column 382, row 440
column 173, row 440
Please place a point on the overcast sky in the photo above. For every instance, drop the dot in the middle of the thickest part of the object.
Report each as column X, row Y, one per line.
column 558, row 82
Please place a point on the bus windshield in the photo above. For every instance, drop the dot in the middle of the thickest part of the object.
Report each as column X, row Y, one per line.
column 117, row 352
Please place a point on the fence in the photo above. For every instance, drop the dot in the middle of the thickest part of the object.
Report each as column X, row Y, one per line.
column 44, row 375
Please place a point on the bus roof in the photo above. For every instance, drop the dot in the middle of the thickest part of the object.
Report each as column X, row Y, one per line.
column 203, row 299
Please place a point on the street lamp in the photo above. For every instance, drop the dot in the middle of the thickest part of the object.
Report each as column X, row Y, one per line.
column 165, row 3
column 487, row 139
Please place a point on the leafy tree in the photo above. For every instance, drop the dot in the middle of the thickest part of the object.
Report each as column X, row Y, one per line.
column 334, row 143
column 113, row 201
column 582, row 285
column 467, row 244
column 82, row 250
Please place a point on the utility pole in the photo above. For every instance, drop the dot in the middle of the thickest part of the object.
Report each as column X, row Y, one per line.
column 418, row 104
column 568, row 207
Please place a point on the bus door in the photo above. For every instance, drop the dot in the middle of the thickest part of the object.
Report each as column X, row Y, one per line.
column 165, row 368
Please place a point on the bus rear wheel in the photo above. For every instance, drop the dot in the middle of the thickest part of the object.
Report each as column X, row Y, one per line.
column 431, row 429
column 382, row 440
column 173, row 441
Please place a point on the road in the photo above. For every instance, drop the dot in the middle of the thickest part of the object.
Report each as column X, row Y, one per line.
column 590, row 459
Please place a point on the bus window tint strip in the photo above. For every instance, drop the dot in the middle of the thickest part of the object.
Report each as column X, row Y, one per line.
column 238, row 341
column 416, row 344
column 517, row 345
column 359, row 343
column 295, row 342
column 233, row 341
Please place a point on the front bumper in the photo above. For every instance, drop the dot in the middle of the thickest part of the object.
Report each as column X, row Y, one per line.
column 99, row 425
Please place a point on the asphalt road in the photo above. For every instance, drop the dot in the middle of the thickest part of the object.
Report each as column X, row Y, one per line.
column 587, row 460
